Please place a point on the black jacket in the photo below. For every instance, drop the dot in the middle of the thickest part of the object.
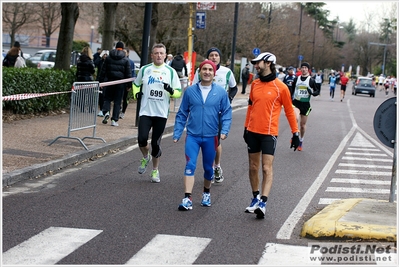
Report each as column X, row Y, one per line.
column 9, row 61
column 116, row 67
column 179, row 64
column 85, row 69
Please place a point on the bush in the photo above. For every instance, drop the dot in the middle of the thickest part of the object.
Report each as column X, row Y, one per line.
column 35, row 81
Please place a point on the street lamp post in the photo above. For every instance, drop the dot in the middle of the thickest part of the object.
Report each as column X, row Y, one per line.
column 91, row 36
column 385, row 54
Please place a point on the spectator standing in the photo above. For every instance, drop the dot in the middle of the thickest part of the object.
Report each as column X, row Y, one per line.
column 169, row 60
column 203, row 106
column 289, row 79
column 97, row 57
column 261, row 128
column 12, row 55
column 179, row 64
column 245, row 78
column 159, row 83
column 332, row 81
column 304, row 87
column 103, row 55
column 344, row 82
column 125, row 100
column 85, row 67
column 116, row 67
column 225, row 78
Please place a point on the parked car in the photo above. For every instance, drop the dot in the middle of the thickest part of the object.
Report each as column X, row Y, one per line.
column 47, row 59
column 363, row 85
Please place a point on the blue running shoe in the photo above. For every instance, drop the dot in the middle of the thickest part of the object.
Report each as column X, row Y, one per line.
column 186, row 204
column 253, row 206
column 261, row 210
column 206, row 199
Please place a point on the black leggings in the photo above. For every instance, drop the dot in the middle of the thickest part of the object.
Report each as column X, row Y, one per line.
column 158, row 127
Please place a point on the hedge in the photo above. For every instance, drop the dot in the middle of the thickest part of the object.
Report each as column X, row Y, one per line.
column 31, row 81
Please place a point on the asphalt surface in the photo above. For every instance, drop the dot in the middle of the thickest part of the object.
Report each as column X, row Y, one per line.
column 27, row 155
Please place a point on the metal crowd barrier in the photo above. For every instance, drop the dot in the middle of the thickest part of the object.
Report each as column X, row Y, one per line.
column 177, row 101
column 83, row 111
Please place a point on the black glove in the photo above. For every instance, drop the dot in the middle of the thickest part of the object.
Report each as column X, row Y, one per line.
column 168, row 88
column 139, row 95
column 295, row 141
column 312, row 92
column 245, row 135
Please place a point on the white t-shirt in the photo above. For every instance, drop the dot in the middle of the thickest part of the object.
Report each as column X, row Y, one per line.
column 156, row 100
column 224, row 77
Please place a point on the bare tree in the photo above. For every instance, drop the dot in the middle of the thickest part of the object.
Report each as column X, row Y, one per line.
column 70, row 14
column 50, row 14
column 15, row 16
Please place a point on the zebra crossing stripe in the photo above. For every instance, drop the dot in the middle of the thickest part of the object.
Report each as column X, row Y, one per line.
column 364, row 166
column 356, row 172
column 170, row 250
column 359, row 181
column 366, row 154
column 360, row 141
column 286, row 255
column 357, row 190
column 327, row 201
column 367, row 159
column 48, row 247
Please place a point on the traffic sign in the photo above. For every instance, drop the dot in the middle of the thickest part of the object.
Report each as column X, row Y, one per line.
column 200, row 18
column 300, row 57
column 385, row 122
column 256, row 52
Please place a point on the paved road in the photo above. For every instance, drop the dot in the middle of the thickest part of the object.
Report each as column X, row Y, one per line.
column 113, row 215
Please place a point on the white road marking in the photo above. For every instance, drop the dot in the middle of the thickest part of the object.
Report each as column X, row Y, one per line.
column 363, row 149
column 359, row 181
column 357, row 190
column 170, row 250
column 286, row 255
column 48, row 247
column 327, row 201
column 368, row 166
column 366, row 154
column 367, row 159
column 371, row 173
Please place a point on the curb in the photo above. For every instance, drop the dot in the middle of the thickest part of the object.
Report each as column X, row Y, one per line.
column 335, row 221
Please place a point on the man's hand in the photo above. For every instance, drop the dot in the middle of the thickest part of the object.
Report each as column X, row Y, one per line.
column 295, row 141
column 139, row 95
column 245, row 135
column 168, row 88
column 223, row 136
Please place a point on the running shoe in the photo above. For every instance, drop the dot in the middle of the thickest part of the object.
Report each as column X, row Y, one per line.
column 106, row 117
column 121, row 115
column 206, row 199
column 100, row 114
column 261, row 210
column 218, row 174
column 144, row 164
column 253, row 206
column 155, row 176
column 186, row 204
column 300, row 146
column 114, row 123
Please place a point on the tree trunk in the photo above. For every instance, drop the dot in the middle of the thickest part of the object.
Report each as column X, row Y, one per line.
column 70, row 14
column 109, row 25
column 154, row 26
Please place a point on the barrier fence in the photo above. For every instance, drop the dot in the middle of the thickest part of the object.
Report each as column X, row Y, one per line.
column 83, row 111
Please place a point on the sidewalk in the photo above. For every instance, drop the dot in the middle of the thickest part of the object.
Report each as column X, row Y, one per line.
column 27, row 155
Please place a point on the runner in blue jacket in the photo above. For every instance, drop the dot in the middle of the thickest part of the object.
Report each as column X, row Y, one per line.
column 202, row 105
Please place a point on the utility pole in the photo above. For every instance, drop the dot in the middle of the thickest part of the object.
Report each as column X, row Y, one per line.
column 233, row 48
column 190, row 39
